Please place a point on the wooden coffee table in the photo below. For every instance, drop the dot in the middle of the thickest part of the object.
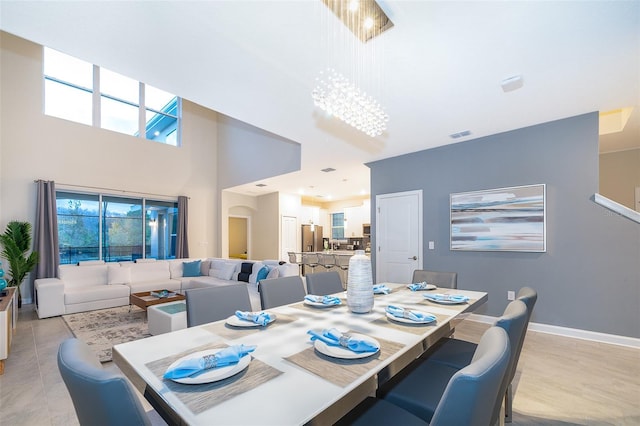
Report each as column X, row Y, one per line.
column 144, row 299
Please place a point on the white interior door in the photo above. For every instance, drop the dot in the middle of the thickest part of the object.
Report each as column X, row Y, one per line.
column 289, row 236
column 398, row 236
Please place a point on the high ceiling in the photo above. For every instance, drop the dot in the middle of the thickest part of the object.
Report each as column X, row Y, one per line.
column 436, row 72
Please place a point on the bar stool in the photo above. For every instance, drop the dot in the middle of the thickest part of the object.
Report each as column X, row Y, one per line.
column 327, row 260
column 293, row 258
column 310, row 260
column 342, row 262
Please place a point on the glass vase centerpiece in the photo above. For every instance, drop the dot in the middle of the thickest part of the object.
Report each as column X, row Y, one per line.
column 360, row 284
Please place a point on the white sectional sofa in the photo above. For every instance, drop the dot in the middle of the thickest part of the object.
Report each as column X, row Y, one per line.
column 97, row 285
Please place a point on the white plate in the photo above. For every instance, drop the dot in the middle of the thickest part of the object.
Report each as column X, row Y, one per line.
column 344, row 353
column 428, row 287
column 213, row 374
column 407, row 320
column 320, row 304
column 237, row 322
column 447, row 301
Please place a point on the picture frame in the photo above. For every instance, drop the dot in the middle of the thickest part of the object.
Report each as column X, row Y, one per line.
column 501, row 219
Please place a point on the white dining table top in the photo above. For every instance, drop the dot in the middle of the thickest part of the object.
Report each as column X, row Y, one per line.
column 292, row 394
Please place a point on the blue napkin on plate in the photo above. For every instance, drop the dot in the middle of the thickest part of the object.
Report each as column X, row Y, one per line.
column 457, row 298
column 261, row 318
column 325, row 300
column 222, row 358
column 335, row 338
column 417, row 316
column 381, row 289
column 418, row 286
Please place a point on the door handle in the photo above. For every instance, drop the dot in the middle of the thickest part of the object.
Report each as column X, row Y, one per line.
column 413, row 258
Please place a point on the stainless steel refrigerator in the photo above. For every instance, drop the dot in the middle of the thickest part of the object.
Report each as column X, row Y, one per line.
column 312, row 240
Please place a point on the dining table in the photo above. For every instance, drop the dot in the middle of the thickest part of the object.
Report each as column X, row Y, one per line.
column 289, row 379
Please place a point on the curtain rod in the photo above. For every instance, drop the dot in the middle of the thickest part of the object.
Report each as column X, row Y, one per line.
column 106, row 189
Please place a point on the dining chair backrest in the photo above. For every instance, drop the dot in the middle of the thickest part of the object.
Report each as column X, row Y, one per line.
column 514, row 322
column 324, row 283
column 211, row 304
column 100, row 396
column 471, row 392
column 281, row 291
column 437, row 278
column 529, row 296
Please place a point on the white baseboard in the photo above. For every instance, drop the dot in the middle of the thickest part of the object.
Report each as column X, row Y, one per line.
column 574, row 333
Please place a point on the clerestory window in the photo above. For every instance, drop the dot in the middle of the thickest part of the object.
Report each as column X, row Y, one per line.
column 78, row 91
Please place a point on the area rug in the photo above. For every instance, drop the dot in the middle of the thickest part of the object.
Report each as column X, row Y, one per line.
column 104, row 328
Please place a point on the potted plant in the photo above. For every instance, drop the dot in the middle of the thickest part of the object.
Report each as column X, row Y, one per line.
column 16, row 242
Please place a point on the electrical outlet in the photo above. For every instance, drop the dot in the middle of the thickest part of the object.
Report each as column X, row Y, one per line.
column 511, row 295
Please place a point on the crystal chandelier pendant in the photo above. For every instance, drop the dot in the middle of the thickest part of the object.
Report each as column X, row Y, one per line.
column 340, row 98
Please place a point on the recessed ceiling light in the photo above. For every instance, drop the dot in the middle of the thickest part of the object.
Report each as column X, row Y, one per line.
column 328, row 170
column 354, row 5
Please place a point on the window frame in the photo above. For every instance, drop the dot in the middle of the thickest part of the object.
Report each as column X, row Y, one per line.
column 174, row 112
column 143, row 202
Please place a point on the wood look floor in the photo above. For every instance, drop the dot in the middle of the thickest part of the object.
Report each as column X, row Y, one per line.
column 560, row 381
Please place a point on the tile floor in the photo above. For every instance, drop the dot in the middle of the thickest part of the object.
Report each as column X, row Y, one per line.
column 560, row 381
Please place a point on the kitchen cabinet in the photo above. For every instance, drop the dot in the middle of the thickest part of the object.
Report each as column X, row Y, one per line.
column 353, row 225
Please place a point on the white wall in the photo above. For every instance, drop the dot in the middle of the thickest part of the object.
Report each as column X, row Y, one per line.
column 35, row 146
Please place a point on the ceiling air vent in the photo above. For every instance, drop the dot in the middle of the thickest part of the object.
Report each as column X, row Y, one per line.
column 328, row 169
column 460, row 134
column 260, row 185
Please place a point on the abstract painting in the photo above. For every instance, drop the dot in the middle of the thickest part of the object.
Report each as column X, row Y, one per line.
column 503, row 219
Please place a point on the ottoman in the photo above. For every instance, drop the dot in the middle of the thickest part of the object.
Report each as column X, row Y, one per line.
column 167, row 317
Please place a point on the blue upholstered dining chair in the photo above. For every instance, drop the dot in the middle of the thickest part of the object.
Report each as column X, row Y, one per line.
column 211, row 304
column 323, row 283
column 100, row 397
column 437, row 278
column 281, row 291
column 466, row 399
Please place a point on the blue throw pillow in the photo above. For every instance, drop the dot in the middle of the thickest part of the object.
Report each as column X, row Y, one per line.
column 191, row 269
column 262, row 274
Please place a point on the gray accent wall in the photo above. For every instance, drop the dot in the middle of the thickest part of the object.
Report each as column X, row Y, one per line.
column 248, row 154
column 589, row 277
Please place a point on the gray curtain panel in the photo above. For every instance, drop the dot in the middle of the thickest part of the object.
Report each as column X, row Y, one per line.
column 182, row 244
column 45, row 240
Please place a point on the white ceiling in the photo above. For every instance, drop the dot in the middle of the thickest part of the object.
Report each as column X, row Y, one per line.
column 436, row 72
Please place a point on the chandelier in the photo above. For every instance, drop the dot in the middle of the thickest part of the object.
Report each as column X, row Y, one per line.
column 336, row 95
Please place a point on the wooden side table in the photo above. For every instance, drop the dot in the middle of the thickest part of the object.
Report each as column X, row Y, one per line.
column 8, row 323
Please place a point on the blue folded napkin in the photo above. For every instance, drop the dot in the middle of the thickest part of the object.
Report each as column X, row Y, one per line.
column 418, row 286
column 381, row 289
column 400, row 312
column 261, row 318
column 456, row 298
column 222, row 358
column 325, row 300
column 334, row 337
